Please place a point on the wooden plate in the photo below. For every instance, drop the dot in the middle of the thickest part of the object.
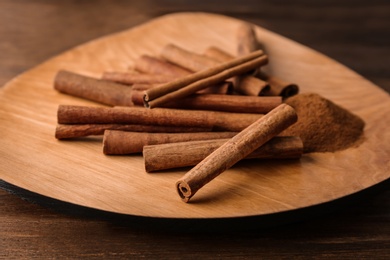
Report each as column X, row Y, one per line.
column 78, row 172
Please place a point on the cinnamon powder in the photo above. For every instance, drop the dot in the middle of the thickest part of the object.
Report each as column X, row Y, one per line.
column 322, row 125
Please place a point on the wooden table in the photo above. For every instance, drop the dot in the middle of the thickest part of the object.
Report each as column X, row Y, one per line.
column 354, row 33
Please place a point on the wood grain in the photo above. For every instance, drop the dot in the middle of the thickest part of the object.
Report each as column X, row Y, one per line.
column 61, row 170
column 44, row 228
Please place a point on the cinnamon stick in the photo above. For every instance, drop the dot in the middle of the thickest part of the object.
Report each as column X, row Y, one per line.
column 250, row 86
column 218, row 102
column 67, row 131
column 246, row 39
column 208, row 100
column 195, row 62
column 101, row 91
column 225, row 87
column 199, row 75
column 246, row 84
column 243, row 84
column 187, row 59
column 247, row 43
column 279, row 87
column 137, row 97
column 202, row 79
column 183, row 154
column 136, row 78
column 218, row 54
column 237, row 148
column 218, row 121
column 153, row 65
column 120, row 142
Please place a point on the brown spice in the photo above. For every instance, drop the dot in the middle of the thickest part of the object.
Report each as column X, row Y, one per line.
column 246, row 39
column 235, row 149
column 66, row 131
column 218, row 121
column 181, row 154
column 187, row 59
column 277, row 86
column 202, row 79
column 322, row 125
column 101, row 91
column 153, row 65
column 217, row 54
column 243, row 84
column 227, row 103
column 130, row 78
column 123, row 142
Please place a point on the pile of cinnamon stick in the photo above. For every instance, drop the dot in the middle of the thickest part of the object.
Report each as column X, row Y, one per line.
column 183, row 108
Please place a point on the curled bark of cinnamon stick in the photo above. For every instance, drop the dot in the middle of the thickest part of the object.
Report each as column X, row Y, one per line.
column 189, row 85
column 101, row 91
column 227, row 103
column 120, row 142
column 138, row 97
column 272, row 86
column 246, row 39
column 225, row 87
column 209, row 100
column 244, row 84
column 136, row 78
column 177, row 84
column 279, row 87
column 218, row 121
column 67, row 131
column 250, row 86
column 247, row 42
column 187, row 59
column 218, row 54
column 237, row 148
column 152, row 65
column 182, row 154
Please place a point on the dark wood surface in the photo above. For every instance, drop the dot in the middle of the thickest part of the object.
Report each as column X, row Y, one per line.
column 355, row 33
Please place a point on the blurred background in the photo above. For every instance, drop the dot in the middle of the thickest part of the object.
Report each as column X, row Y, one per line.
column 356, row 33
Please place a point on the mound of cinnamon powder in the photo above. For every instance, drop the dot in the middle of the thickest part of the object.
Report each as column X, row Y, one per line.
column 322, row 125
